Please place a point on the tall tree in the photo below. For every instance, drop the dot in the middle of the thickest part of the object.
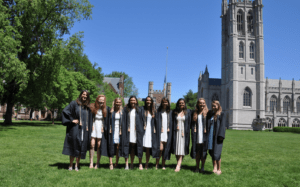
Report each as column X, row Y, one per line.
column 32, row 30
column 190, row 99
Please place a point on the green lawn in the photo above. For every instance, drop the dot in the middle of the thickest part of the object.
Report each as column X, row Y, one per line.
column 30, row 155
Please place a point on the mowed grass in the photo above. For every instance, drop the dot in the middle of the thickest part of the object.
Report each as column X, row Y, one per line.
column 30, row 155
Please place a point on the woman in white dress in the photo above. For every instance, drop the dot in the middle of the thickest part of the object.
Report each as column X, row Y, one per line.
column 148, row 127
column 101, row 120
column 181, row 133
column 198, row 131
column 115, row 131
column 163, row 125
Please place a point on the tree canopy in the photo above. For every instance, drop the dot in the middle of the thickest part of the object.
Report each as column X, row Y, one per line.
column 190, row 99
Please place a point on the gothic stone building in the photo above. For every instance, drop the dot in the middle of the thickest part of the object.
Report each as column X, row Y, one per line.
column 157, row 95
column 243, row 91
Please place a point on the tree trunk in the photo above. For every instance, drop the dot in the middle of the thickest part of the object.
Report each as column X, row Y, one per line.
column 52, row 111
column 8, row 115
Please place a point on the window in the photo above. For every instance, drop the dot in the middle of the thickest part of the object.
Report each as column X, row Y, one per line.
column 273, row 103
column 251, row 71
column 298, row 105
column 268, row 123
column 251, row 51
column 296, row 123
column 241, row 70
column 241, row 50
column 215, row 97
column 201, row 92
column 240, row 22
column 250, row 22
column 281, row 122
column 247, row 97
column 286, row 104
column 227, row 98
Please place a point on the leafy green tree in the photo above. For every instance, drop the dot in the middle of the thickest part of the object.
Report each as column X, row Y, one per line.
column 173, row 106
column 190, row 99
column 117, row 74
column 30, row 33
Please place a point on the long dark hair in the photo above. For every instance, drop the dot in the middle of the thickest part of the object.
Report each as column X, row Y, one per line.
column 168, row 109
column 128, row 107
column 152, row 110
column 86, row 103
column 177, row 110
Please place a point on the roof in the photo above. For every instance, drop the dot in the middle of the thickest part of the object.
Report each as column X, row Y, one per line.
column 113, row 81
column 216, row 82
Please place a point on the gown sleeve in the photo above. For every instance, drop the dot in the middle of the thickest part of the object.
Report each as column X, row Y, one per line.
column 68, row 114
column 222, row 126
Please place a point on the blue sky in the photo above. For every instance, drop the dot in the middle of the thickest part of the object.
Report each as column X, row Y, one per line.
column 132, row 36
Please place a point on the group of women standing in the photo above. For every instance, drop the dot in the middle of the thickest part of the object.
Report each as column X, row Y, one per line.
column 133, row 130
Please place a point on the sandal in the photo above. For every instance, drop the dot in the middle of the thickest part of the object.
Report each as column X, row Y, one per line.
column 111, row 167
column 127, row 167
column 141, row 167
column 76, row 169
column 70, row 168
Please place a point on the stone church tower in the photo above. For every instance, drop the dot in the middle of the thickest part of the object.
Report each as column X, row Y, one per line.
column 243, row 83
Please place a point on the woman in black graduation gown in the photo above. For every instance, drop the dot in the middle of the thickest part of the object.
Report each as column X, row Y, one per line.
column 132, row 133
column 163, row 136
column 181, row 132
column 216, row 134
column 100, row 124
column 149, row 140
column 198, row 132
column 77, row 116
column 117, row 118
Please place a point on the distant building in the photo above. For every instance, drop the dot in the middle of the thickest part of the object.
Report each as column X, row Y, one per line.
column 157, row 95
column 116, row 84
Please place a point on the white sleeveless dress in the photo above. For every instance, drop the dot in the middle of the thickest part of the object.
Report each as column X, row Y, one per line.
column 147, row 140
column 180, row 140
column 98, row 123
column 117, row 128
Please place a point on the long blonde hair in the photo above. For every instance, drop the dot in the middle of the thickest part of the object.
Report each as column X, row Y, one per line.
column 198, row 111
column 219, row 111
column 113, row 105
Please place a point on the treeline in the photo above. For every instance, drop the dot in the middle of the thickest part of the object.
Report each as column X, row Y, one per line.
column 37, row 67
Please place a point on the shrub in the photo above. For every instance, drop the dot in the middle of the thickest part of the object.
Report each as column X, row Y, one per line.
column 287, row 129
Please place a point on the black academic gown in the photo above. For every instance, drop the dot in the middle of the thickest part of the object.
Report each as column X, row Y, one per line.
column 219, row 128
column 139, row 133
column 111, row 132
column 194, row 124
column 158, row 126
column 187, row 123
column 104, row 142
column 153, row 134
column 73, row 144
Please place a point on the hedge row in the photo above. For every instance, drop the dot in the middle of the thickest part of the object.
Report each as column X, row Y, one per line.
column 287, row 129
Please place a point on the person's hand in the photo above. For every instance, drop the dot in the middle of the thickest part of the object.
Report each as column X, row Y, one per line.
column 76, row 121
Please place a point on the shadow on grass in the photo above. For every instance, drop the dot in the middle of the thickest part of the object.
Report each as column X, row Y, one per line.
column 3, row 128
column 31, row 123
column 65, row 166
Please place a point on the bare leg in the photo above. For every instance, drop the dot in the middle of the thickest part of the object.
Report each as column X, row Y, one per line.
column 71, row 161
column 140, row 163
column 215, row 166
column 98, row 153
column 92, row 148
column 219, row 167
column 147, row 157
column 178, row 163
column 126, row 163
column 132, row 155
column 111, row 167
column 77, row 162
column 117, row 156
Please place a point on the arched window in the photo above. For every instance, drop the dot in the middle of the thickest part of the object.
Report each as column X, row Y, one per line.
column 240, row 22
column 241, row 50
column 247, row 97
column 215, row 97
column 227, row 99
column 296, row 123
column 201, row 93
column 268, row 123
column 286, row 104
column 281, row 122
column 298, row 105
column 250, row 22
column 273, row 103
column 251, row 50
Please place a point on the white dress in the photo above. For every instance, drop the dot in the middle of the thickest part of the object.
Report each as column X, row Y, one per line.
column 147, row 140
column 180, row 140
column 132, row 127
column 164, row 135
column 117, row 128
column 200, row 130
column 98, row 123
